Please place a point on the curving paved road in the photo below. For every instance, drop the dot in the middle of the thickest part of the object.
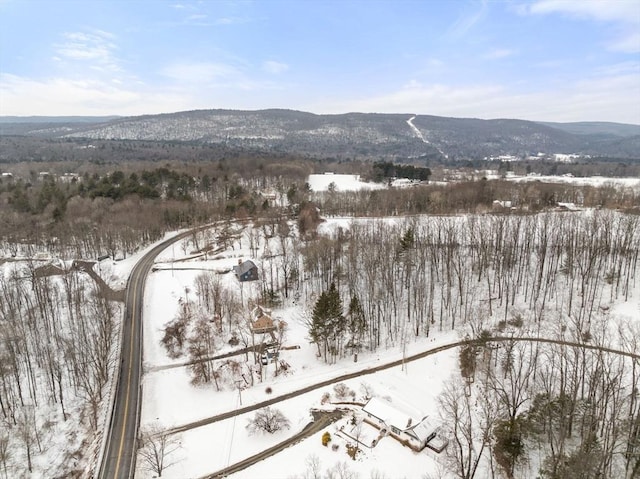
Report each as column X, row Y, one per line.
column 119, row 456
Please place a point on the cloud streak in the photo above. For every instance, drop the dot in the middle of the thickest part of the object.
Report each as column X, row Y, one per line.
column 601, row 98
column 498, row 54
column 275, row 68
column 96, row 47
column 467, row 21
column 624, row 15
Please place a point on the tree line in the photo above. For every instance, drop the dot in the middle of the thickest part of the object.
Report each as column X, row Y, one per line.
column 56, row 351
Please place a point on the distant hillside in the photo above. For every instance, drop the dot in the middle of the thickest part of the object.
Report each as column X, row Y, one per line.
column 48, row 126
column 597, row 128
column 352, row 135
column 56, row 119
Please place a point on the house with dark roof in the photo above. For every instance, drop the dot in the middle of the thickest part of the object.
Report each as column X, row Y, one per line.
column 246, row 271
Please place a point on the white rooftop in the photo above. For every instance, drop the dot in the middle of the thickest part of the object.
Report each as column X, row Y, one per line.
column 400, row 416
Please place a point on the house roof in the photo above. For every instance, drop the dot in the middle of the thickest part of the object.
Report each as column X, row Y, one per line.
column 244, row 267
column 402, row 417
column 263, row 322
column 423, row 429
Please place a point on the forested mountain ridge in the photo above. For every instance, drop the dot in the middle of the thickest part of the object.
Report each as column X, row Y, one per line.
column 351, row 135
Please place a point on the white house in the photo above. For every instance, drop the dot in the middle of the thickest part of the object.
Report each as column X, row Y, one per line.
column 400, row 422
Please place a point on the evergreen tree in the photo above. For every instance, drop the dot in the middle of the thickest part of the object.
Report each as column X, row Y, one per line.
column 408, row 240
column 318, row 327
column 336, row 321
column 356, row 324
column 328, row 324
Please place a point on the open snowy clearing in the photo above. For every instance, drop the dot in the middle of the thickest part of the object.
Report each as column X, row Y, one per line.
column 321, row 183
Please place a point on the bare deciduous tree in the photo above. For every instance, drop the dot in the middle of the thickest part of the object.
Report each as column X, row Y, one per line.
column 156, row 447
column 5, row 451
column 268, row 420
column 470, row 425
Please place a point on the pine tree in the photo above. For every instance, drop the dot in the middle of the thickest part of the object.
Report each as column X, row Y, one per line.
column 408, row 240
column 318, row 327
column 356, row 324
column 328, row 324
column 336, row 321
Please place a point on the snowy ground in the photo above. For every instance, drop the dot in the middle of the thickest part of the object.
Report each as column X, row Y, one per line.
column 572, row 180
column 320, row 183
column 170, row 400
column 341, row 183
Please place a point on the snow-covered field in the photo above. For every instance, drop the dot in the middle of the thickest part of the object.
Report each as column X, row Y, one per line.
column 582, row 181
column 340, row 182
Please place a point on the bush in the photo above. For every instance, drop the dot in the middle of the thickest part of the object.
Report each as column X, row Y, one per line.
column 343, row 391
column 352, row 450
column 326, row 438
column 268, row 390
column 467, row 361
column 516, row 321
column 174, row 337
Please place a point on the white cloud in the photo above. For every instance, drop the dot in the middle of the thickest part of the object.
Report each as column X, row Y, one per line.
column 61, row 96
column 274, row 67
column 202, row 72
column 601, row 98
column 624, row 14
column 231, row 20
column 416, row 97
column 628, row 42
column 620, row 10
column 498, row 53
column 95, row 48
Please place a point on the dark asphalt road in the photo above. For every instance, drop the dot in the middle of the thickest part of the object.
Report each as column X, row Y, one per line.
column 119, row 458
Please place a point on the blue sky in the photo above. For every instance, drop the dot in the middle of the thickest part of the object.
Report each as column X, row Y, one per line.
column 554, row 60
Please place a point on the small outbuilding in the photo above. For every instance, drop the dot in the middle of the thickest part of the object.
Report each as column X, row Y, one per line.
column 246, row 271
